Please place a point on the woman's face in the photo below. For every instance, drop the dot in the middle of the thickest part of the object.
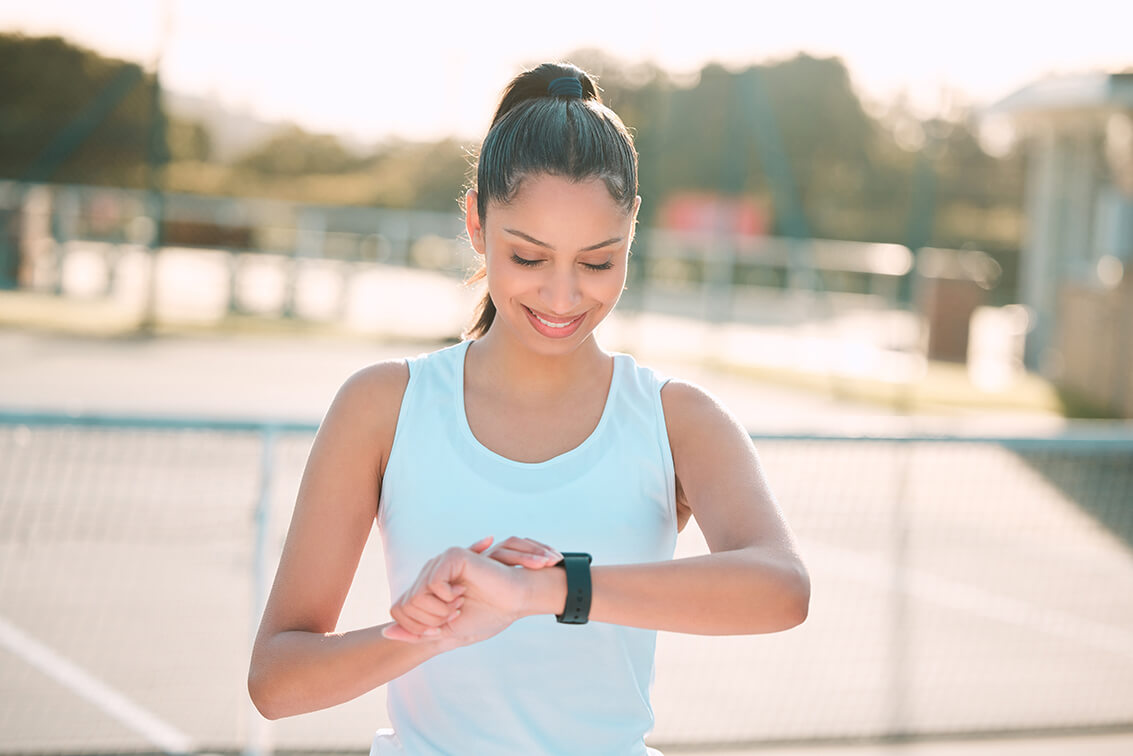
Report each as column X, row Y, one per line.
column 556, row 259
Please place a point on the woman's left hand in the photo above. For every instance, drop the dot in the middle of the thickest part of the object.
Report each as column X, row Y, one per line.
column 468, row 595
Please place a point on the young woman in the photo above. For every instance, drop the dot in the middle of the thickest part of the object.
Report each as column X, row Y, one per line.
column 525, row 481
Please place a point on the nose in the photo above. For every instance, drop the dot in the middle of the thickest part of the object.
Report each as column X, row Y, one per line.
column 560, row 291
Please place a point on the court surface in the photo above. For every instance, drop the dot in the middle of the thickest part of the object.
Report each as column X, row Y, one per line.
column 169, row 674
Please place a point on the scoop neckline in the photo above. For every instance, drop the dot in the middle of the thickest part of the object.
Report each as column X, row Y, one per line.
column 590, row 440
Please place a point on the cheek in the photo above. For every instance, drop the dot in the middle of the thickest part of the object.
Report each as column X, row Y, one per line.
column 615, row 280
column 503, row 274
column 614, row 284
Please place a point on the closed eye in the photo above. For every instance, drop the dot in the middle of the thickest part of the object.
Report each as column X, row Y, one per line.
column 532, row 263
column 524, row 261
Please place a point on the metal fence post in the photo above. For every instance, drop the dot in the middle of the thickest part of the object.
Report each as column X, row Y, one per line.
column 900, row 688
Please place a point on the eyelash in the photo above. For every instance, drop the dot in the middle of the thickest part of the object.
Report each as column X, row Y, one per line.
column 532, row 263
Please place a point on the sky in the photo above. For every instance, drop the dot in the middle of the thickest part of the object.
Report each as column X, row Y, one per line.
column 370, row 69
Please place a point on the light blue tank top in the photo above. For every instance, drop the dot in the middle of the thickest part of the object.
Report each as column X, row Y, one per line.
column 539, row 687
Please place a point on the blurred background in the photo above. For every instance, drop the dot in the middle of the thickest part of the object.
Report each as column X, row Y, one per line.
column 894, row 242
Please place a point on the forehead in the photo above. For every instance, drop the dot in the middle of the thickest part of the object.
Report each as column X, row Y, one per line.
column 555, row 202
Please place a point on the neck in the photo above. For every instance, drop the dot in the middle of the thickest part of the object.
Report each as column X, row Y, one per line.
column 516, row 369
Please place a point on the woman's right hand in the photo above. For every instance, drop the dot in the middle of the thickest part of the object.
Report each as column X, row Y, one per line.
column 519, row 552
column 467, row 595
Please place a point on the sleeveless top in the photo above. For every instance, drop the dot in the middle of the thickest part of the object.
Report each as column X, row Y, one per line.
column 538, row 687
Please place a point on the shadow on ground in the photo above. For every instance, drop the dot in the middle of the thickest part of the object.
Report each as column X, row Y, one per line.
column 1100, row 482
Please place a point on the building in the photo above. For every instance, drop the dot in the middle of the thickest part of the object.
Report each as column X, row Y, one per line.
column 1076, row 270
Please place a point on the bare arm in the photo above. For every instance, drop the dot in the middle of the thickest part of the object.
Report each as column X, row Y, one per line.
column 299, row 663
column 753, row 581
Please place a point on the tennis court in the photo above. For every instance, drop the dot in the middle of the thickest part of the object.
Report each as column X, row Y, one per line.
column 962, row 586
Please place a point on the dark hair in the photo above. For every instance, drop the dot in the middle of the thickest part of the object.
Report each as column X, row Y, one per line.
column 534, row 132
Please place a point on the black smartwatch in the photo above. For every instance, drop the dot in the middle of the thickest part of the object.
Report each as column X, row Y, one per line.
column 577, row 608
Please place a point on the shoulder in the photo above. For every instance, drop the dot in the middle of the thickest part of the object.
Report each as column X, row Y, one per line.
column 711, row 449
column 364, row 412
column 697, row 422
column 374, row 386
column 689, row 406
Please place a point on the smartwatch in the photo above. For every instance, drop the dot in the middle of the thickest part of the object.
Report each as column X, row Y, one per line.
column 576, row 611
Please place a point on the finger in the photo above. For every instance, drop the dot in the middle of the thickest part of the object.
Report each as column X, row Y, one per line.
column 415, row 620
column 396, row 631
column 482, row 545
column 516, row 558
column 447, row 628
column 539, row 547
column 432, row 613
column 441, row 579
column 525, row 546
column 406, row 622
column 432, row 604
column 445, row 591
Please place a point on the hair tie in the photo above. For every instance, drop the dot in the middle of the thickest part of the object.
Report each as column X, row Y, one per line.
column 565, row 86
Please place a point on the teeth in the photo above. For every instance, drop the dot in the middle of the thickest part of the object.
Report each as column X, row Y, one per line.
column 550, row 324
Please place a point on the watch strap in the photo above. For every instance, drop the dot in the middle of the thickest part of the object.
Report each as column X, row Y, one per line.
column 576, row 611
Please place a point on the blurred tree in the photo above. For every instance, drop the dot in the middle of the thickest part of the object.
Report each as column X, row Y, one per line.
column 295, row 152
column 188, row 140
column 50, row 94
column 428, row 176
column 851, row 171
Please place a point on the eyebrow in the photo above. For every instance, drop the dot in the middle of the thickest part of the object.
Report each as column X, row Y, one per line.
column 545, row 245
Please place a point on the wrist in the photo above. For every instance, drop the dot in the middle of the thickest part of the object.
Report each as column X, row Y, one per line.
column 548, row 590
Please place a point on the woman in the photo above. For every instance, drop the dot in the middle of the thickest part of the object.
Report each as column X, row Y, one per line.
column 585, row 463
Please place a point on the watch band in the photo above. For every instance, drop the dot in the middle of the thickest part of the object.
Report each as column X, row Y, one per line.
column 576, row 611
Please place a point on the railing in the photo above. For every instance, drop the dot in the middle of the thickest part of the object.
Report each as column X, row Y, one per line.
column 46, row 221
column 961, row 585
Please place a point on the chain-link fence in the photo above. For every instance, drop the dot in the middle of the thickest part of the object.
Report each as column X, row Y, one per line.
column 960, row 586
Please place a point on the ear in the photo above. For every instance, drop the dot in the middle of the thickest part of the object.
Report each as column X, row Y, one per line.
column 633, row 222
column 472, row 222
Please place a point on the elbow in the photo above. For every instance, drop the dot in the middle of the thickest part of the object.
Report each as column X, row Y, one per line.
column 264, row 691
column 799, row 601
column 260, row 693
column 792, row 603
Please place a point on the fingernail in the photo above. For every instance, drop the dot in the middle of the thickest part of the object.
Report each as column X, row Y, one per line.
column 431, row 632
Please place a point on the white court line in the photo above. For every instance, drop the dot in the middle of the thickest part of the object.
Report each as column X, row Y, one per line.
column 962, row 597
column 160, row 734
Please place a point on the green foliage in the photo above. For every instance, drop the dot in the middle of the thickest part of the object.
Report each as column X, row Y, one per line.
column 295, row 152
column 188, row 140
column 46, row 86
column 428, row 176
column 852, row 173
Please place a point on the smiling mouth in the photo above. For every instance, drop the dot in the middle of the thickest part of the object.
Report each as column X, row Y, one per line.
column 552, row 323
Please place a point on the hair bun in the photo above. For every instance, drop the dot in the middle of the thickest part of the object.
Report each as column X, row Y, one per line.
column 549, row 80
column 565, row 86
